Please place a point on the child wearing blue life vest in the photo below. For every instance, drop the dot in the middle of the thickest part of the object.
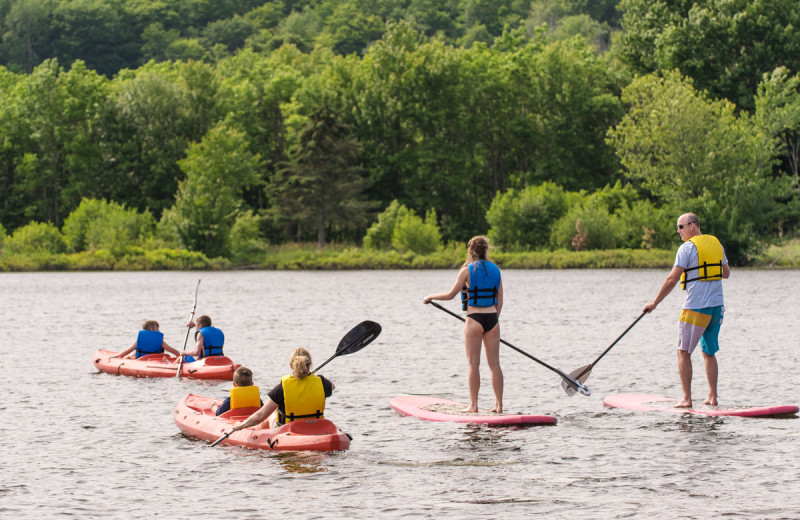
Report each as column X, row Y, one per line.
column 243, row 394
column 149, row 341
column 208, row 340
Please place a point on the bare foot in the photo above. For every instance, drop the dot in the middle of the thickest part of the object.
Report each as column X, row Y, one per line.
column 683, row 404
column 470, row 409
column 497, row 409
column 711, row 401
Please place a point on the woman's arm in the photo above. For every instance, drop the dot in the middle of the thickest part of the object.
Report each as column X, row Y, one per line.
column 461, row 280
column 263, row 412
column 499, row 303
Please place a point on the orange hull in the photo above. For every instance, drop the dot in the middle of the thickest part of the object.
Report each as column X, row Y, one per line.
column 164, row 365
column 195, row 419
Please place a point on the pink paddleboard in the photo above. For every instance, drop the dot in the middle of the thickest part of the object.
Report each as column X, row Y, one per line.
column 435, row 409
column 654, row 403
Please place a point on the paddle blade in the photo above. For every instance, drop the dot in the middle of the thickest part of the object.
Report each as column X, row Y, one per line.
column 359, row 337
column 579, row 375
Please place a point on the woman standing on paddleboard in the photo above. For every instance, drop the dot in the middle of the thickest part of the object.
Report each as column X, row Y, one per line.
column 481, row 288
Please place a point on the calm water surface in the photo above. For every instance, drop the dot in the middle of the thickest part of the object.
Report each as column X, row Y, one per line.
column 76, row 443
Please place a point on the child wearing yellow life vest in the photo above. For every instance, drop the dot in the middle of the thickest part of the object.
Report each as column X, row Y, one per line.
column 243, row 394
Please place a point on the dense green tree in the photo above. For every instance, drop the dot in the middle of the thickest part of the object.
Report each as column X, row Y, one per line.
column 695, row 154
column 54, row 131
column 209, row 200
column 778, row 112
column 27, row 34
column 724, row 45
column 154, row 113
column 96, row 32
column 321, row 186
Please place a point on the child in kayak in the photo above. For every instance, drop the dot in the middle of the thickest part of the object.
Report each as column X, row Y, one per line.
column 243, row 394
column 149, row 341
column 300, row 395
column 208, row 340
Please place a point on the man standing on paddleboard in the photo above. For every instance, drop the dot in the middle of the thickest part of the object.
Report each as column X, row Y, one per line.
column 700, row 266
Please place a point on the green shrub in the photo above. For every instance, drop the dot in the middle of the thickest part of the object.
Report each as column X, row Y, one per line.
column 97, row 224
column 98, row 260
column 522, row 219
column 379, row 235
column 586, row 225
column 246, row 242
column 412, row 234
column 36, row 238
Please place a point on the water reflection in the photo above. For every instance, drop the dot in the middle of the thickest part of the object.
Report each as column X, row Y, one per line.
column 302, row 461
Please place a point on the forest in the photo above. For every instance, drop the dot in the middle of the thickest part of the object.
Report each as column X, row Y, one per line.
column 222, row 128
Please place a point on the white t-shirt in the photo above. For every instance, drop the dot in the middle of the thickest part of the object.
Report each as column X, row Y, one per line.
column 699, row 294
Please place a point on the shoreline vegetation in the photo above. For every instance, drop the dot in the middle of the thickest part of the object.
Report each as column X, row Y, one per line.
column 785, row 255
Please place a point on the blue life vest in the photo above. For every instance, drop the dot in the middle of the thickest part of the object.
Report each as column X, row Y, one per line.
column 484, row 283
column 213, row 339
column 149, row 342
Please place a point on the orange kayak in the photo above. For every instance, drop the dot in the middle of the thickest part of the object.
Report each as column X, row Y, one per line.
column 164, row 365
column 195, row 419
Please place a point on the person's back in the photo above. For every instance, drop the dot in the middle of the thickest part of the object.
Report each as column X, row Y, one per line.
column 243, row 394
column 149, row 340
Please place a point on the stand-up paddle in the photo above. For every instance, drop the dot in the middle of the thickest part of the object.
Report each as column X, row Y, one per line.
column 582, row 373
column 572, row 383
column 359, row 337
column 188, row 328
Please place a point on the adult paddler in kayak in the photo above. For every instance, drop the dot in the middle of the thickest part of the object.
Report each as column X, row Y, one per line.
column 299, row 395
column 481, row 288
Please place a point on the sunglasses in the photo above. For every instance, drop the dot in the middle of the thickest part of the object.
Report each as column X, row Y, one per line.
column 681, row 226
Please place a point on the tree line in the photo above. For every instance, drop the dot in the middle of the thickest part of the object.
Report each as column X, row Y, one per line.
column 542, row 138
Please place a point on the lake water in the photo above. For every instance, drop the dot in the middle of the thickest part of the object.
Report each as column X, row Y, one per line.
column 76, row 443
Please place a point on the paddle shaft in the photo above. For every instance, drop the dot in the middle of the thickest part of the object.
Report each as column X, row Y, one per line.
column 188, row 328
column 506, row 343
column 588, row 368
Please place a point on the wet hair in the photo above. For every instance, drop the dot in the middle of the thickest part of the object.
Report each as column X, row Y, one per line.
column 243, row 376
column 300, row 363
column 203, row 321
column 150, row 325
column 477, row 248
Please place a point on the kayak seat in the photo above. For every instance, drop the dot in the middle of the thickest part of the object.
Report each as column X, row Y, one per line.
column 310, row 427
column 239, row 414
column 217, row 360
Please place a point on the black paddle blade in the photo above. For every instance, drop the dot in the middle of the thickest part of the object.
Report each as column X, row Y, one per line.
column 359, row 337
column 579, row 375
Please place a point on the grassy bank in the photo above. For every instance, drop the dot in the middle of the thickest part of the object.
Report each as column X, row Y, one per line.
column 337, row 257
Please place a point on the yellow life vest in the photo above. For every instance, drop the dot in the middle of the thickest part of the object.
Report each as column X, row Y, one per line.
column 709, row 260
column 302, row 398
column 245, row 397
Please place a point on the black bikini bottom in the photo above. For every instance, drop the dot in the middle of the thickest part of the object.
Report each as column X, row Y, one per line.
column 488, row 320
